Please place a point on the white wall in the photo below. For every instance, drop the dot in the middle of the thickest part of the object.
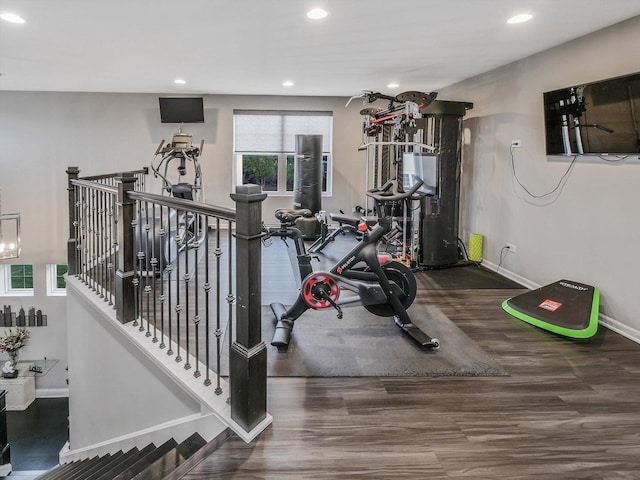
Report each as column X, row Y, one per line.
column 115, row 389
column 590, row 231
column 42, row 133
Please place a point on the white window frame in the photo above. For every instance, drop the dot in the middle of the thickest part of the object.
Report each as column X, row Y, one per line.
column 52, row 281
column 282, row 155
column 5, row 283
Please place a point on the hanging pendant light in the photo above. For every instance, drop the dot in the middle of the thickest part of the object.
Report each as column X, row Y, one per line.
column 9, row 235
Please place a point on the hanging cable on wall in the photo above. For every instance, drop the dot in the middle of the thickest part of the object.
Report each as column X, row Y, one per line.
column 559, row 185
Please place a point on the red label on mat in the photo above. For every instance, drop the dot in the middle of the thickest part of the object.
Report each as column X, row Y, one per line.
column 550, row 305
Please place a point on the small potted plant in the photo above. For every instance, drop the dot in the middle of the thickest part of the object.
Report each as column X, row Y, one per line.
column 11, row 342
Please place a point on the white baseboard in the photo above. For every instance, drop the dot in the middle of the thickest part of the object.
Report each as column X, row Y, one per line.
column 624, row 330
column 52, row 392
column 510, row 275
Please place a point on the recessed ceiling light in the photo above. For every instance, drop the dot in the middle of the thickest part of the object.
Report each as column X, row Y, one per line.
column 393, row 85
column 317, row 14
column 523, row 17
column 11, row 17
column 179, row 81
column 287, row 84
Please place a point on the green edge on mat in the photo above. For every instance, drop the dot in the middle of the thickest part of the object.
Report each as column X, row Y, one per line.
column 587, row 332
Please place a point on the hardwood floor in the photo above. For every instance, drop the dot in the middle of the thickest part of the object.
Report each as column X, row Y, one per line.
column 569, row 410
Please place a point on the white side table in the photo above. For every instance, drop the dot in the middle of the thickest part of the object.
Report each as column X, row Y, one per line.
column 21, row 391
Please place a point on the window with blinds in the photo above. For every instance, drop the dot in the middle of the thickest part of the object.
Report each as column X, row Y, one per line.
column 264, row 146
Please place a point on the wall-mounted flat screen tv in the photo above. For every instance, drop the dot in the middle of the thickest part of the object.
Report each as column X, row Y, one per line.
column 181, row 110
column 598, row 118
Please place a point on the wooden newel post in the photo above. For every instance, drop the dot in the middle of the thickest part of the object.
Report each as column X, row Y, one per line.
column 248, row 356
column 72, row 243
column 125, row 268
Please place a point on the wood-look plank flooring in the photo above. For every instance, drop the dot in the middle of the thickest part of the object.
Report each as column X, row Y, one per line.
column 569, row 410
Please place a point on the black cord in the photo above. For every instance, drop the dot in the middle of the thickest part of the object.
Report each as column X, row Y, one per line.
column 513, row 167
column 466, row 253
column 617, row 158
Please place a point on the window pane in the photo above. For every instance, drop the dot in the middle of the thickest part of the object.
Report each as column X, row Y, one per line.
column 17, row 270
column 21, row 276
column 61, row 270
column 261, row 170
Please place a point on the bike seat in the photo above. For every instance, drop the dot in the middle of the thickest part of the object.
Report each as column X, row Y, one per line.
column 290, row 215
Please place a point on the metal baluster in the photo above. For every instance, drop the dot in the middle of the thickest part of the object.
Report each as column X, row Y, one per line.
column 162, row 233
column 230, row 297
column 218, row 254
column 101, row 255
column 206, row 287
column 92, row 248
column 147, row 287
column 178, row 238
column 187, row 278
column 85, row 236
column 105, row 244
column 170, row 272
column 111, row 249
column 78, row 216
column 114, row 242
column 196, row 317
column 154, row 265
column 136, row 279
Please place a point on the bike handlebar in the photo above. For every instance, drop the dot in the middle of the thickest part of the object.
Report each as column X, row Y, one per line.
column 385, row 197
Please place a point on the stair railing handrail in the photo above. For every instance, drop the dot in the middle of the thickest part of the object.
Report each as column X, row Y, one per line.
column 110, row 248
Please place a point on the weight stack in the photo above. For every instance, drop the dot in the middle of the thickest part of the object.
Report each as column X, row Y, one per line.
column 307, row 180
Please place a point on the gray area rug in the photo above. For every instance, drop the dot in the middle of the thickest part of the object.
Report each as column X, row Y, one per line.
column 364, row 345
column 360, row 344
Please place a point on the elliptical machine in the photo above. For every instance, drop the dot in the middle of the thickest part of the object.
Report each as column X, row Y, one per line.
column 185, row 229
column 384, row 287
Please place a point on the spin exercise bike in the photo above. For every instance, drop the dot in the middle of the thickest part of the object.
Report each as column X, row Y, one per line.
column 384, row 287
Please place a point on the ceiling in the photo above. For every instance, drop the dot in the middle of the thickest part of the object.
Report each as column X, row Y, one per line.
column 253, row 46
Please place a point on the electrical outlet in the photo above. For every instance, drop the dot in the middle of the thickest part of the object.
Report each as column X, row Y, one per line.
column 516, row 143
column 511, row 247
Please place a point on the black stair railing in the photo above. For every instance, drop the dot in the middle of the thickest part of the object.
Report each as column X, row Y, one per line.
column 167, row 266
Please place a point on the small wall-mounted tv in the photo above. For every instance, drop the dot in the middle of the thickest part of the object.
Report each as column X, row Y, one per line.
column 598, row 118
column 181, row 110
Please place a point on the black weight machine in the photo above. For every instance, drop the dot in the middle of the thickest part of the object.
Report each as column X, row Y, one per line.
column 416, row 136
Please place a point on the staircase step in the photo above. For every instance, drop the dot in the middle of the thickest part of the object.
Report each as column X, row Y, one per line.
column 147, row 460
column 93, row 466
column 150, row 463
column 128, row 462
column 191, row 445
column 64, row 471
column 115, row 461
column 200, row 455
column 162, row 466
